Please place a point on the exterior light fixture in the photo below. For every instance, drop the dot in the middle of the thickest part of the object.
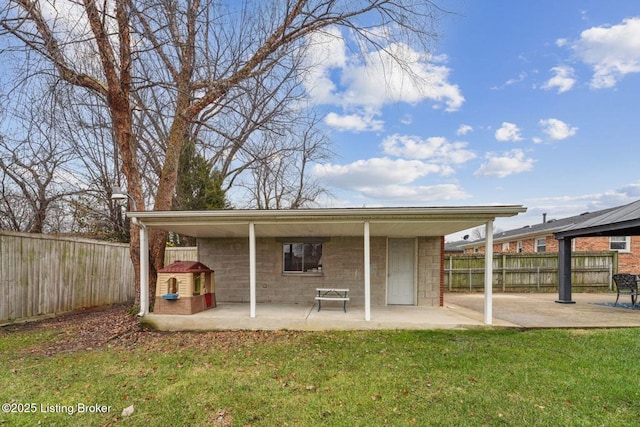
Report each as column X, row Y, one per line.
column 118, row 193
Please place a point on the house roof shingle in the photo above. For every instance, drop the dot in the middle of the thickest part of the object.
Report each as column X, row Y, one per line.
column 545, row 228
column 619, row 221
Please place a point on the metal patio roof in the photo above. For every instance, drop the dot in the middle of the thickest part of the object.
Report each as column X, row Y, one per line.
column 398, row 222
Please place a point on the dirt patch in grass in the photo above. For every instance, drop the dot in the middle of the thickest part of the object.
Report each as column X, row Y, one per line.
column 114, row 326
column 81, row 329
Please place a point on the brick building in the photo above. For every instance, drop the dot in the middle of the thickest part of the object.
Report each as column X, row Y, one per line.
column 384, row 256
column 540, row 238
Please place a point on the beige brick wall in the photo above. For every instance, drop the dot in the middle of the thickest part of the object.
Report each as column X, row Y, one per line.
column 342, row 268
column 429, row 261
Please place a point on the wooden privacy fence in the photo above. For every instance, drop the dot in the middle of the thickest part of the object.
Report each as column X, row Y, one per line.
column 42, row 274
column 590, row 271
column 187, row 253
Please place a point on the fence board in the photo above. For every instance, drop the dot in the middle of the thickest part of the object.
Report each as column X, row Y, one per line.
column 188, row 253
column 591, row 271
column 43, row 274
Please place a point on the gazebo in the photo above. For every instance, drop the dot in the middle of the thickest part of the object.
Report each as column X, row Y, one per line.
column 624, row 221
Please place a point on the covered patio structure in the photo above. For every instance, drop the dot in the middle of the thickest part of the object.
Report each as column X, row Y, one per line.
column 250, row 229
column 624, row 221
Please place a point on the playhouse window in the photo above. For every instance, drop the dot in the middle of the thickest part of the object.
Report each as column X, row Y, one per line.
column 302, row 257
column 197, row 285
column 172, row 286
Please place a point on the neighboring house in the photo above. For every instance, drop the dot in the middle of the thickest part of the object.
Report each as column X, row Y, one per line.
column 540, row 238
column 385, row 256
column 455, row 248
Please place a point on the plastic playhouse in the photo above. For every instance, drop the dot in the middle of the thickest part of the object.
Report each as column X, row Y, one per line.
column 184, row 287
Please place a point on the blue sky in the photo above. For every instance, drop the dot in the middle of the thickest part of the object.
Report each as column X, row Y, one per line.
column 518, row 102
column 532, row 103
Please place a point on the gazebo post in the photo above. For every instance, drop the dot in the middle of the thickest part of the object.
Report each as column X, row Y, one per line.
column 564, row 270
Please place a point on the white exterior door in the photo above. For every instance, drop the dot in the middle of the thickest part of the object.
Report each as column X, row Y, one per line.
column 401, row 272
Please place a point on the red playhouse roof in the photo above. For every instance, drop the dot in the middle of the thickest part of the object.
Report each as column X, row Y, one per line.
column 186, row 267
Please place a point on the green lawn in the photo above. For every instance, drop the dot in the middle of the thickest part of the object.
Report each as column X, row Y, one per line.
column 440, row 378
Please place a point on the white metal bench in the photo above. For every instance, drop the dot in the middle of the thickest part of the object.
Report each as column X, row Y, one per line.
column 332, row 294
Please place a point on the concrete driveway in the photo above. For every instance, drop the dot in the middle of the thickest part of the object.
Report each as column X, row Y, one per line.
column 539, row 310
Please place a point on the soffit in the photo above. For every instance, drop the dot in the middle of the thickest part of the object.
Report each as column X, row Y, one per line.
column 396, row 222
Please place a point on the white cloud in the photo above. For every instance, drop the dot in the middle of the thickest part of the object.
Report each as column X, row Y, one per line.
column 521, row 77
column 436, row 149
column 381, row 171
column 569, row 205
column 557, row 129
column 353, row 122
column 508, row 132
column 374, row 79
column 415, row 194
column 464, row 129
column 407, row 119
column 563, row 79
column 390, row 180
column 506, row 164
column 326, row 50
column 518, row 79
column 612, row 51
column 381, row 80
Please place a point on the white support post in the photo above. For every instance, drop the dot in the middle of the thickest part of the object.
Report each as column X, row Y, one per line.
column 488, row 274
column 367, row 273
column 252, row 268
column 144, row 270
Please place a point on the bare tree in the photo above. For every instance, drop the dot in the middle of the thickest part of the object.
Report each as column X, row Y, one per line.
column 37, row 172
column 84, row 122
column 199, row 53
column 478, row 233
column 280, row 174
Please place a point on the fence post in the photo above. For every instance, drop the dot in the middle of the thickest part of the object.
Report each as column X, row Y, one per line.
column 504, row 273
column 450, row 273
column 470, row 279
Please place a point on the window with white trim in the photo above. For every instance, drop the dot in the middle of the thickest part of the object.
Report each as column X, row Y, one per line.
column 505, row 247
column 620, row 243
column 519, row 246
column 300, row 257
column 541, row 244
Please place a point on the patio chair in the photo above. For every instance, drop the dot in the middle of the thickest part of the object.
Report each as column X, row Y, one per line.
column 627, row 284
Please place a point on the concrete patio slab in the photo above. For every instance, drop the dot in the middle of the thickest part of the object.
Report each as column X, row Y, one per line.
column 307, row 317
column 460, row 311
column 539, row 310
